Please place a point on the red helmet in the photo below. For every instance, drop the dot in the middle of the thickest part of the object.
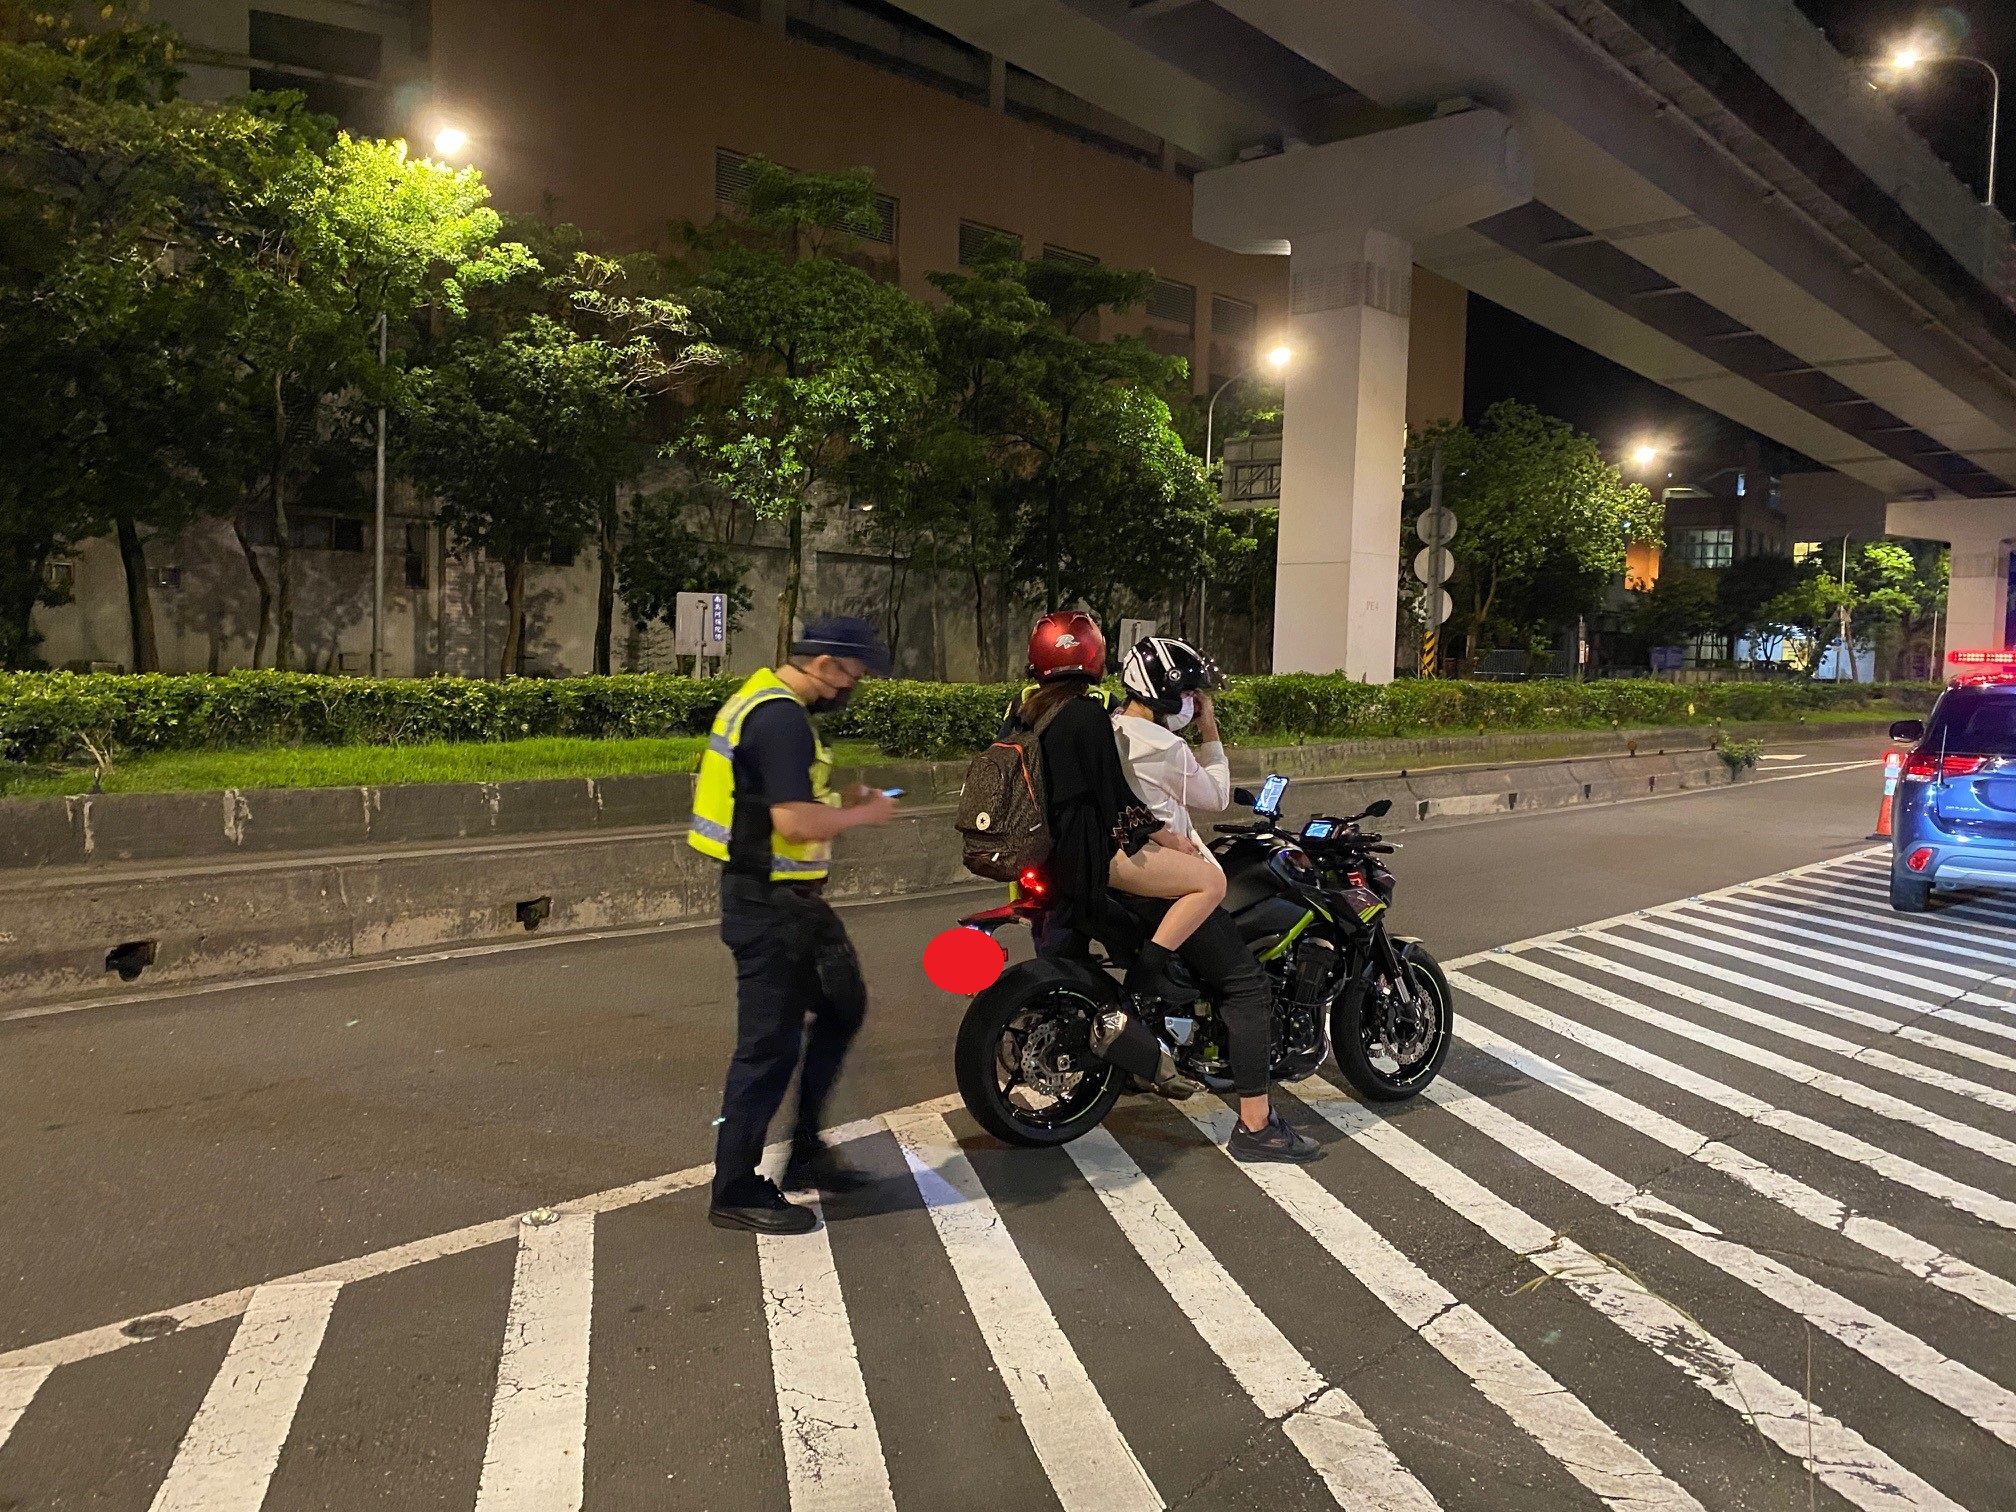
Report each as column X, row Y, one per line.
column 1066, row 643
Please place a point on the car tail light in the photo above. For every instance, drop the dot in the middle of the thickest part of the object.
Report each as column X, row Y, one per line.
column 1919, row 859
column 1982, row 658
column 1930, row 766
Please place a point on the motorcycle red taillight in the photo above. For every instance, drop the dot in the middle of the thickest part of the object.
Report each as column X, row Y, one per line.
column 1930, row 766
column 1032, row 883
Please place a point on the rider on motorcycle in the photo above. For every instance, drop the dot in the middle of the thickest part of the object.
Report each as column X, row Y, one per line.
column 1169, row 685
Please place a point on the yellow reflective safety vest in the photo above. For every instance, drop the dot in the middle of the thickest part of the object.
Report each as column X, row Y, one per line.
column 714, row 791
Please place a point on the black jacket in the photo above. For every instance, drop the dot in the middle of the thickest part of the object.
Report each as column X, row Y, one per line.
column 1088, row 797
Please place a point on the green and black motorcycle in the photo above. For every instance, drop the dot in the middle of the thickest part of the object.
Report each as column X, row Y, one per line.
column 1313, row 903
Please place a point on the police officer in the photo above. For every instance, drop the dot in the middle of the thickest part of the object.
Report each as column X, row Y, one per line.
column 763, row 808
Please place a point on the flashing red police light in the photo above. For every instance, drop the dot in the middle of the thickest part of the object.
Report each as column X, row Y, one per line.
column 963, row 960
column 1982, row 658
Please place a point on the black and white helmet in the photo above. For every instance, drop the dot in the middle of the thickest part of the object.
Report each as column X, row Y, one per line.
column 1158, row 671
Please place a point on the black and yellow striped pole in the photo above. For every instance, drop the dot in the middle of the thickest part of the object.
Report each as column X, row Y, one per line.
column 1429, row 638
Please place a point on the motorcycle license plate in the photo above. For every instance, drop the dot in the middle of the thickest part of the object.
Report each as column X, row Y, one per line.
column 1363, row 904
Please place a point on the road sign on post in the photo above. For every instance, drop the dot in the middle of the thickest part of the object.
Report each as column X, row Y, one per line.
column 700, row 624
column 1433, row 564
column 1132, row 633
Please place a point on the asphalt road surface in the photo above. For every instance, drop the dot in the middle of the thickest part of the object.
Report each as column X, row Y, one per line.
column 1712, row 1208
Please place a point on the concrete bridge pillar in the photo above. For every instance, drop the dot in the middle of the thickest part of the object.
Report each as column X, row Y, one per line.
column 1978, row 532
column 1347, row 216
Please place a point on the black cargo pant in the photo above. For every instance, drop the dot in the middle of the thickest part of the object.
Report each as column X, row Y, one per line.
column 799, row 997
column 1223, row 963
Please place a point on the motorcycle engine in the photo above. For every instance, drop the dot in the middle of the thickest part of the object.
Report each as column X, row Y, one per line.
column 1306, row 983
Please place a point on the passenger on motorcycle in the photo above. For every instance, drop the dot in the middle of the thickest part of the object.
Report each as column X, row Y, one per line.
column 1169, row 687
column 1102, row 835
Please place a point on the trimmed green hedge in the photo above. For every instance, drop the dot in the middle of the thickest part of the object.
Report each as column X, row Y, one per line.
column 46, row 716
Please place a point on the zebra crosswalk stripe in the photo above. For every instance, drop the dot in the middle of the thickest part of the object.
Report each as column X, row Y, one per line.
column 1839, row 1457
column 18, row 1385
column 1542, row 1408
column 1824, row 908
column 1905, row 1356
column 1968, row 1199
column 535, row 1456
column 1090, row 1465
column 227, row 1458
column 1918, row 1257
column 1941, row 991
column 1787, row 994
column 1777, row 1024
column 1848, row 1090
column 1821, row 933
column 1340, row 1443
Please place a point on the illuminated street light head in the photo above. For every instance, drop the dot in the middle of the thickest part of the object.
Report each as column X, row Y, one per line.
column 449, row 141
column 1279, row 357
column 1644, row 454
column 1906, row 58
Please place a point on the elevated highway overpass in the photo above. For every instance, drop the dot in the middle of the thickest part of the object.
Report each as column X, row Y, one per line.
column 1701, row 190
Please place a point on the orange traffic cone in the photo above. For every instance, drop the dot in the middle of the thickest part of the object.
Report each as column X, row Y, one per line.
column 1893, row 767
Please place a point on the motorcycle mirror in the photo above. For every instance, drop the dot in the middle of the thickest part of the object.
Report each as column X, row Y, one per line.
column 1380, row 809
column 1243, row 797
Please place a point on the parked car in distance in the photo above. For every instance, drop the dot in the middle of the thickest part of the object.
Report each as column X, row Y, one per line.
column 1954, row 823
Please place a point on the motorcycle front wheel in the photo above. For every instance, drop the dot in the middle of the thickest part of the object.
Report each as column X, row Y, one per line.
column 1025, row 1069
column 1374, row 1068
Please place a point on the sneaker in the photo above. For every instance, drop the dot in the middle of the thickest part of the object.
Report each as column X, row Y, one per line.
column 761, row 1208
column 1278, row 1141
column 821, row 1168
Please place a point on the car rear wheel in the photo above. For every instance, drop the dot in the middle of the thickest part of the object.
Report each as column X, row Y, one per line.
column 1909, row 894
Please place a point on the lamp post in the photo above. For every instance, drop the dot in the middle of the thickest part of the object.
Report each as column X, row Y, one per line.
column 1277, row 357
column 378, row 525
column 1909, row 58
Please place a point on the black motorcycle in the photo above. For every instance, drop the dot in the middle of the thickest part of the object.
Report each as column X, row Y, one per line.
column 1313, row 905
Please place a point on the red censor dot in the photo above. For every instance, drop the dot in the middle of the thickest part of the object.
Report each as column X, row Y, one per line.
column 964, row 960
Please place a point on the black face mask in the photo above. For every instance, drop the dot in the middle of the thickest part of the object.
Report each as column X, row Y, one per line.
column 832, row 703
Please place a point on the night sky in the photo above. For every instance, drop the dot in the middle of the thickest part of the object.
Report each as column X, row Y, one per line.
column 1512, row 358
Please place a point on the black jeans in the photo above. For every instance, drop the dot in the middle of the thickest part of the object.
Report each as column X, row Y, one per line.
column 799, row 997
column 1223, row 962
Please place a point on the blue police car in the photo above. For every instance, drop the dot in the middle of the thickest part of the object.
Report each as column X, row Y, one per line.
column 1954, row 822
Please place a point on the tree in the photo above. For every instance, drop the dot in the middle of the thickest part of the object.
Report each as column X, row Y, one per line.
column 1544, row 520
column 521, row 440
column 1748, row 587
column 110, row 361
column 662, row 556
column 820, row 359
column 328, row 235
column 1683, row 604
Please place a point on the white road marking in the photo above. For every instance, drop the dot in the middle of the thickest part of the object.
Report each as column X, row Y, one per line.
column 1904, row 1355
column 1769, row 930
column 1545, row 1410
column 1090, row 1465
column 1985, row 908
column 18, row 1385
column 1940, row 991
column 1787, row 994
column 1887, row 1027
column 219, row 1306
column 536, row 1454
column 1339, row 1442
column 1847, row 1089
column 1926, row 1261
column 227, row 1458
column 832, row 1451
column 1968, row 1199
column 1818, row 907
column 1840, row 1458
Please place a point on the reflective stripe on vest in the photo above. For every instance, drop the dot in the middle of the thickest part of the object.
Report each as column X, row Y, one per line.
column 714, row 790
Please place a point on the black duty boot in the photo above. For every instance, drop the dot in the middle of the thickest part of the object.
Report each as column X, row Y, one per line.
column 819, row 1167
column 1157, row 973
column 756, row 1204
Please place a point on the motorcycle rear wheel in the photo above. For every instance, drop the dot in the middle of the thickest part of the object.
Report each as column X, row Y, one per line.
column 994, row 1049
column 1354, row 1058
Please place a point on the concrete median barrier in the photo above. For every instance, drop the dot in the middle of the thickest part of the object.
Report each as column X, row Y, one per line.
column 189, row 888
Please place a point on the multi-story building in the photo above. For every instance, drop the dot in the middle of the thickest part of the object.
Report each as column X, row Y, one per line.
column 630, row 117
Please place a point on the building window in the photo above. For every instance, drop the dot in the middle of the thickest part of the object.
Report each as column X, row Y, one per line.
column 1055, row 253
column 1704, row 548
column 887, row 37
column 59, row 576
column 336, row 67
column 976, row 240
column 1707, row 650
column 309, row 530
column 1805, row 550
column 1234, row 321
column 1252, row 483
column 1174, row 304
column 734, row 178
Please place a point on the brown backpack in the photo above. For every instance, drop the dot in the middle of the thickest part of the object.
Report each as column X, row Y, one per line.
column 1003, row 821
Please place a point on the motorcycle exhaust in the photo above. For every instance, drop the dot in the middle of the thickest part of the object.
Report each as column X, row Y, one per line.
column 1122, row 1040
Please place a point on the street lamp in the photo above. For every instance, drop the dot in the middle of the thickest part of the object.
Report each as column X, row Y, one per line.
column 1276, row 357
column 449, row 141
column 1910, row 57
column 1645, row 454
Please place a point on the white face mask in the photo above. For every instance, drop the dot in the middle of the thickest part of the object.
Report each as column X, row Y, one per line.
column 1182, row 716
